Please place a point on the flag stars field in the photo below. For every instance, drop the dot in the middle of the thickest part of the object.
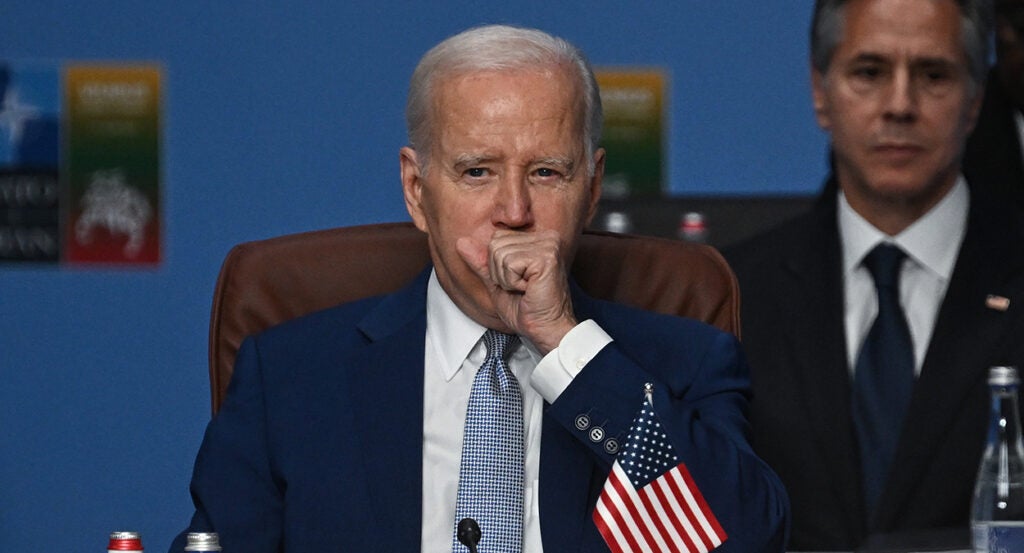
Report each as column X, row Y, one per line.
column 650, row 501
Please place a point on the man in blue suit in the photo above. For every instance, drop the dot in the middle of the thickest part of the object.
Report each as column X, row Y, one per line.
column 343, row 430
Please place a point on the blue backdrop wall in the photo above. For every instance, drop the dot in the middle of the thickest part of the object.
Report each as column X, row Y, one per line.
column 283, row 117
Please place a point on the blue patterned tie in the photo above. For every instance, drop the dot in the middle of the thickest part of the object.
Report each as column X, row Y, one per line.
column 884, row 377
column 491, row 474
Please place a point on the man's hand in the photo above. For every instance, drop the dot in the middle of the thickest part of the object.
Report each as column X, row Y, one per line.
column 528, row 281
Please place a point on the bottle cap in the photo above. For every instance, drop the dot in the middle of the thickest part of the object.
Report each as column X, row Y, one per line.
column 1003, row 376
column 693, row 227
column 124, row 541
column 203, row 541
column 617, row 221
column 692, row 221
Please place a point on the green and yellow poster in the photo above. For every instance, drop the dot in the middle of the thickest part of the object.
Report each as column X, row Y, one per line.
column 634, row 131
column 112, row 164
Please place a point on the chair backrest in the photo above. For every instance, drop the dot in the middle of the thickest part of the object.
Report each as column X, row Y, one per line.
column 266, row 282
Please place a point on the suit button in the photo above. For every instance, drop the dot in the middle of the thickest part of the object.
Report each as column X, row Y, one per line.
column 596, row 434
column 611, row 446
column 582, row 422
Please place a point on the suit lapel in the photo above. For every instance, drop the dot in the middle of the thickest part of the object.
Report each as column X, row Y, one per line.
column 964, row 343
column 814, row 306
column 395, row 331
column 390, row 372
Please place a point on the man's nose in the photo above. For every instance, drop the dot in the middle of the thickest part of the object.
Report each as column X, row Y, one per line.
column 513, row 207
column 901, row 98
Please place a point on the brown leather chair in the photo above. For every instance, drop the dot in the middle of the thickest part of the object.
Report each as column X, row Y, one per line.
column 266, row 282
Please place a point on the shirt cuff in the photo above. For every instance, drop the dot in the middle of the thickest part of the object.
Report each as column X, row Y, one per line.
column 560, row 366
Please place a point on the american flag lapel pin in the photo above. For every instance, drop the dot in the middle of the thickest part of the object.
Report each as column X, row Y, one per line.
column 999, row 303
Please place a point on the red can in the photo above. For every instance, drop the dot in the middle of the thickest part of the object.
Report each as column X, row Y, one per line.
column 122, row 542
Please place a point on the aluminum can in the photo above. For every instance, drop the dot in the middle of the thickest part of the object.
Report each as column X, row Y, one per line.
column 203, row 541
column 122, row 542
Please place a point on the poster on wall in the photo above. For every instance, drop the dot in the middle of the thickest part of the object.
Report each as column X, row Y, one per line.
column 80, row 163
column 634, row 131
column 112, row 164
column 29, row 162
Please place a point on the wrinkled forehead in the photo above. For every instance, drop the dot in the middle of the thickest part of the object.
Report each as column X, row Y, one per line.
column 534, row 87
column 551, row 77
column 910, row 30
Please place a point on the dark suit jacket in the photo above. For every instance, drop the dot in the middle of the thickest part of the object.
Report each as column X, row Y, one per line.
column 993, row 155
column 318, row 444
column 793, row 331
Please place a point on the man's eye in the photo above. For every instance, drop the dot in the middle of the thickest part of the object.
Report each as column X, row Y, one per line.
column 476, row 172
column 867, row 72
column 546, row 172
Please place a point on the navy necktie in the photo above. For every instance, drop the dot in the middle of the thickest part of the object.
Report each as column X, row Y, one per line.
column 491, row 471
column 884, row 375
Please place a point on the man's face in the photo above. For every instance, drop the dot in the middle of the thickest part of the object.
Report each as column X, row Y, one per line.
column 898, row 103
column 507, row 154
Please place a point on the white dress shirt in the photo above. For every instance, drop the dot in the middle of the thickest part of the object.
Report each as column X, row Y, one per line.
column 453, row 354
column 932, row 244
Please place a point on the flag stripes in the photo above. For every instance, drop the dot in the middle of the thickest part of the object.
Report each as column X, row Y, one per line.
column 669, row 514
column 650, row 502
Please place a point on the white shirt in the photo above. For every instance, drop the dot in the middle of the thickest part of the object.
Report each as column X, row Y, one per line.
column 453, row 354
column 931, row 243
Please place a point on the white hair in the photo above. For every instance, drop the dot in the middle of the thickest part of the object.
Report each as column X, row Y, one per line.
column 498, row 47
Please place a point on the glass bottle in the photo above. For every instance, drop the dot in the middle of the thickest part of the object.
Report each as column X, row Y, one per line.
column 203, row 541
column 618, row 221
column 124, row 542
column 997, row 509
column 693, row 227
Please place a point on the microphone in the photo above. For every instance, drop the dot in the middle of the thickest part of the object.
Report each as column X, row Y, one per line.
column 469, row 533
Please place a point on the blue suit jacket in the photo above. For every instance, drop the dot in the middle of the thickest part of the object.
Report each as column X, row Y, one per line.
column 318, row 444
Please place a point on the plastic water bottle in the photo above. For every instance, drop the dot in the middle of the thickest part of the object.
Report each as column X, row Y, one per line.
column 997, row 510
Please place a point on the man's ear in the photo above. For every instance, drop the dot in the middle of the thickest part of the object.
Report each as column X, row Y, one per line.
column 819, row 95
column 412, row 186
column 595, row 185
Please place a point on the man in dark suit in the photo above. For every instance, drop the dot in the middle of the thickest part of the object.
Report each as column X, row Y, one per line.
column 879, row 447
column 358, row 428
column 995, row 151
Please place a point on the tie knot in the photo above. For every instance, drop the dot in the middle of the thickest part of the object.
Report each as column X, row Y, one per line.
column 884, row 262
column 498, row 344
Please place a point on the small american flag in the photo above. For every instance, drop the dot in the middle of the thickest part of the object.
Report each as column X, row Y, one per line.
column 649, row 502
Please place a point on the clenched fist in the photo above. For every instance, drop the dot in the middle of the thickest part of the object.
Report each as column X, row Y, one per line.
column 528, row 280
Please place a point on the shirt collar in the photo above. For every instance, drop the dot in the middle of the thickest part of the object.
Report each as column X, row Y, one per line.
column 927, row 241
column 450, row 331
